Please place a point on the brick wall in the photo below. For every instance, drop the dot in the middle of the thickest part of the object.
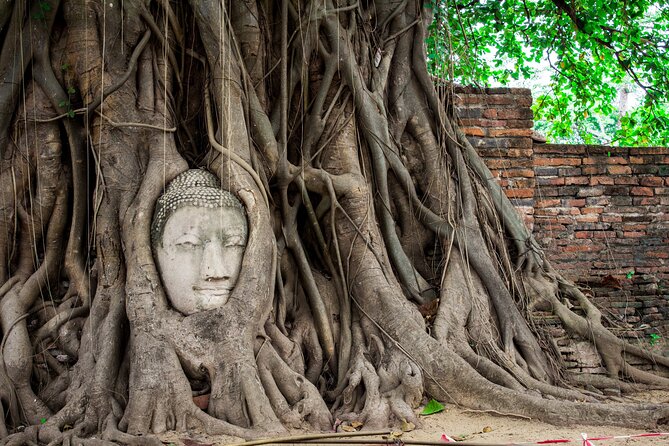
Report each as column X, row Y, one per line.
column 499, row 124
column 601, row 213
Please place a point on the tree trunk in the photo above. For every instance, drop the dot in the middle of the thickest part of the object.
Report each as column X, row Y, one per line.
column 382, row 261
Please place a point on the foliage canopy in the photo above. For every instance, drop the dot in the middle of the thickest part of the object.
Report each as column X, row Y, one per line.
column 595, row 49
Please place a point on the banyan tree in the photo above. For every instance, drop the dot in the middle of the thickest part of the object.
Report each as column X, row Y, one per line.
column 366, row 256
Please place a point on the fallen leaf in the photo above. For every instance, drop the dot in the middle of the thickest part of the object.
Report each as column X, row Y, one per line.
column 356, row 424
column 433, row 406
column 407, row 426
column 347, row 428
column 487, row 429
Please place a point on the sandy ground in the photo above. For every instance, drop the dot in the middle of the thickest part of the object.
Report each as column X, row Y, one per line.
column 470, row 426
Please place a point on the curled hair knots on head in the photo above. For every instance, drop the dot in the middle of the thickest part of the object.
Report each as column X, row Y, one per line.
column 194, row 187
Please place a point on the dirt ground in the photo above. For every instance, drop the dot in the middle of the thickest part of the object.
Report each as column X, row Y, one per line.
column 480, row 427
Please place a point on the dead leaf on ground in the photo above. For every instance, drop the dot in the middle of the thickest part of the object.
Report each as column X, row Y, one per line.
column 407, row 426
column 487, row 429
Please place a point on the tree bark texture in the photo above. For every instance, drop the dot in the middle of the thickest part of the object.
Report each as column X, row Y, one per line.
column 384, row 263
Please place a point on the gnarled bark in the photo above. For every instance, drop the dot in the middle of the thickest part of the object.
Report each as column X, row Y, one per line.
column 382, row 260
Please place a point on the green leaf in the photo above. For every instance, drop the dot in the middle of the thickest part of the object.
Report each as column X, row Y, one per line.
column 432, row 407
column 71, row 90
column 70, row 113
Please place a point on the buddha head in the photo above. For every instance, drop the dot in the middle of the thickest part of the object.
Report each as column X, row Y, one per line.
column 198, row 234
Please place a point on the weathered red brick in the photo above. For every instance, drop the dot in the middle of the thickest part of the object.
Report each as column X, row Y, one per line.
column 478, row 122
column 510, row 132
column 520, row 193
column 592, row 210
column 651, row 181
column 576, row 180
column 519, row 123
column 513, row 173
column 649, row 150
column 612, row 218
column 590, row 192
column 579, row 202
column 619, row 170
column 473, row 131
column 645, row 191
column 631, row 180
column 597, row 180
column 550, row 181
column 546, row 203
column 594, row 170
column 490, row 113
column 557, row 162
column 559, row 148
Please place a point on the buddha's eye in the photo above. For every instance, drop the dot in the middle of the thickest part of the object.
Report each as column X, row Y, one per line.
column 235, row 241
column 188, row 241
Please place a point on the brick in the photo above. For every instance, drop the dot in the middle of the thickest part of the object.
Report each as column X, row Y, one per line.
column 519, row 123
column 569, row 171
column 550, row 181
column 560, row 149
column 594, row 170
column 510, row 132
column 649, row 150
column 547, row 171
column 645, row 191
column 515, row 113
column 474, row 122
column 519, row 193
column 576, row 180
column 645, row 169
column 505, row 163
column 507, row 90
column 471, row 113
column 557, row 162
column 592, row 210
column 547, row 203
column 474, row 131
column 651, row 181
column 637, row 160
column 627, row 180
column 619, row 170
column 646, row 201
column 489, row 113
column 590, row 192
column 597, row 180
column 612, row 218
column 574, row 202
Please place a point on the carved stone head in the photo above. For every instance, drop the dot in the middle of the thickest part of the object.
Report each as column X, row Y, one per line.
column 198, row 234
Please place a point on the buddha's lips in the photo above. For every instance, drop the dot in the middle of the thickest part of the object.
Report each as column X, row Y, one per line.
column 212, row 290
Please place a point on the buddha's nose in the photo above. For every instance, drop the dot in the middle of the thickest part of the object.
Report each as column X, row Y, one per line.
column 213, row 263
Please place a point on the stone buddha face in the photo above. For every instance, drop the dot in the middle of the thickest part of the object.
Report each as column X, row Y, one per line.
column 199, row 235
